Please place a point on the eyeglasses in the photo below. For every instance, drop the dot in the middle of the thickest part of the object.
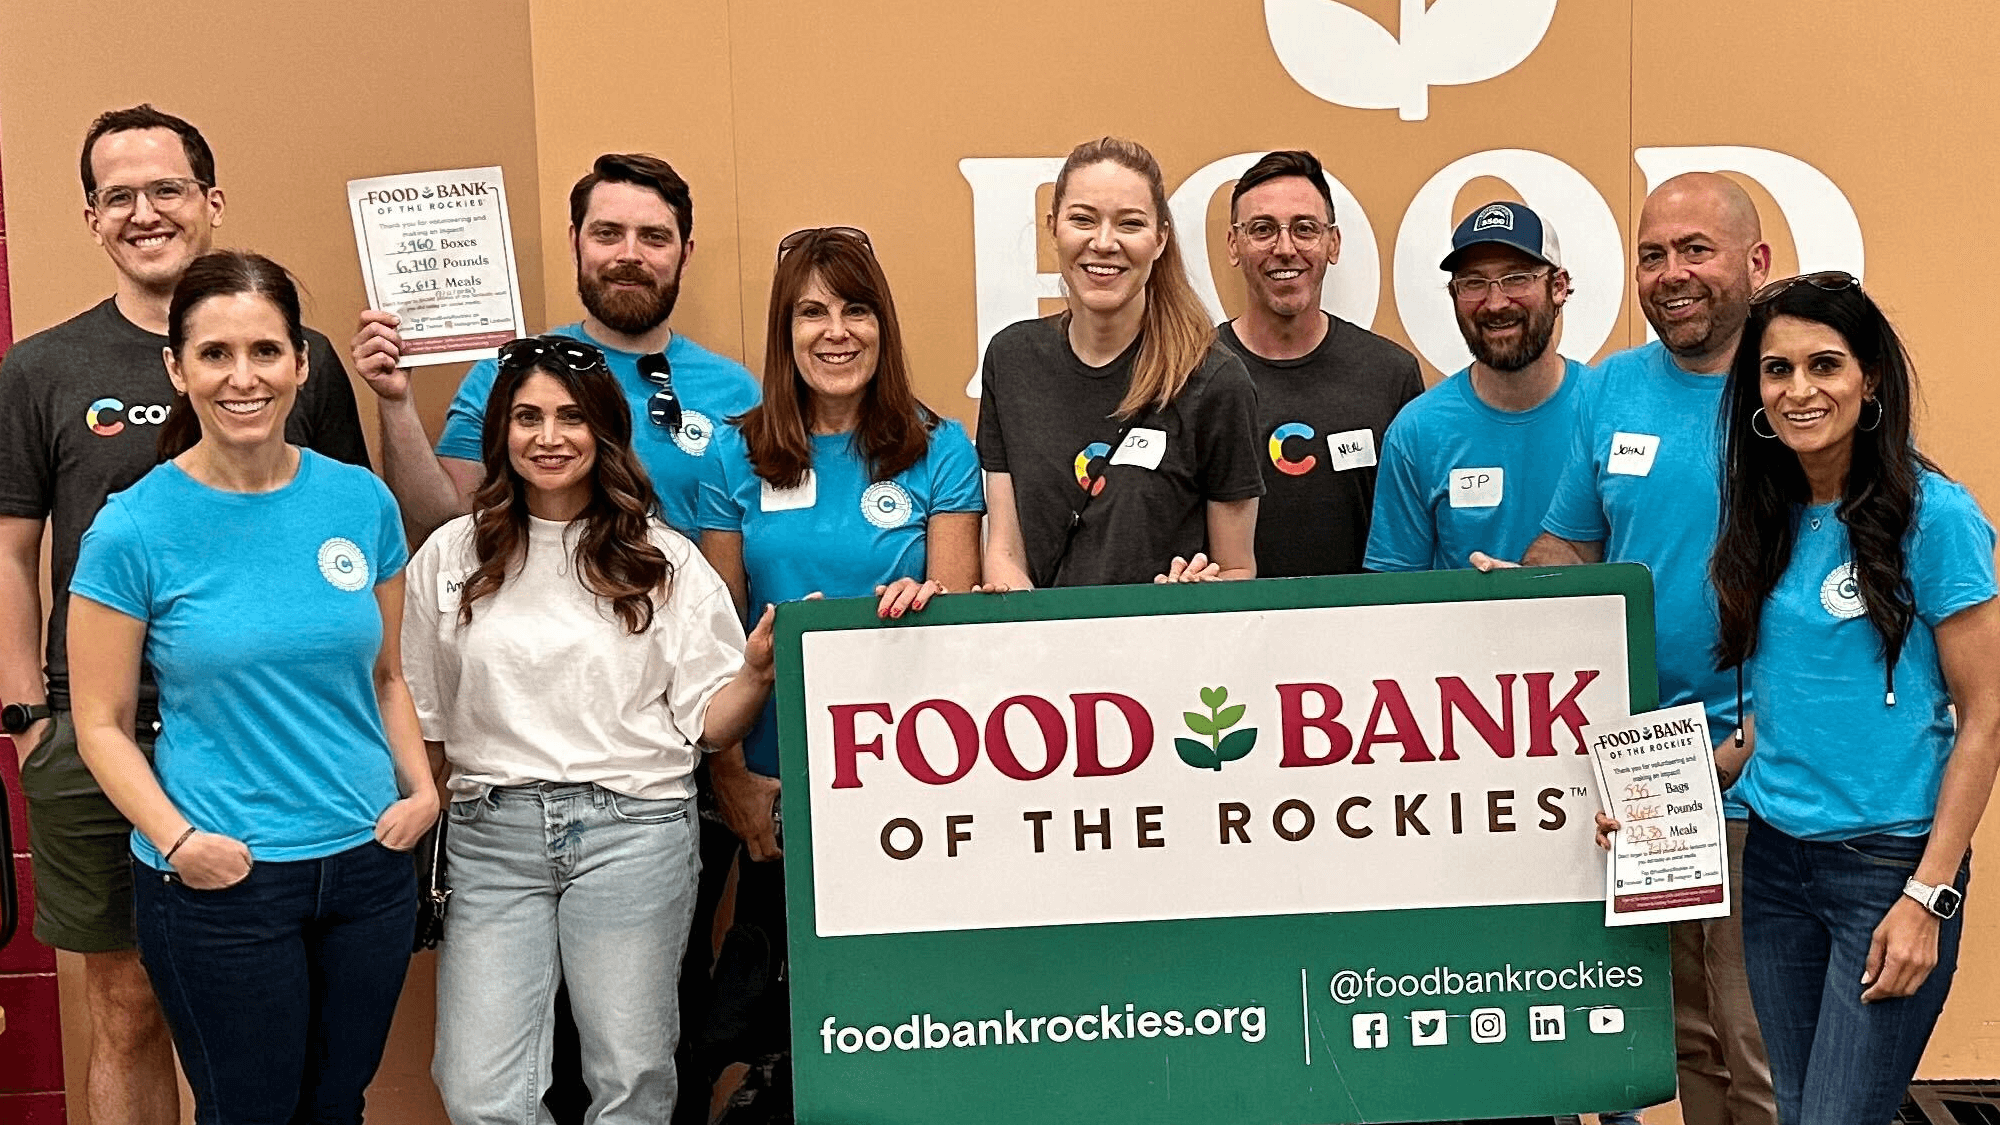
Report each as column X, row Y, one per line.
column 531, row 350
column 799, row 238
column 1263, row 233
column 1511, row 285
column 167, row 195
column 1832, row 281
column 664, row 408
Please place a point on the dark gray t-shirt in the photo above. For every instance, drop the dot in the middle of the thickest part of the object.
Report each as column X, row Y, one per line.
column 80, row 411
column 1320, row 420
column 1046, row 418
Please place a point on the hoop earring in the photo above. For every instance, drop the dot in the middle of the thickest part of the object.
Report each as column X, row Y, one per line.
column 1759, row 413
column 1878, row 416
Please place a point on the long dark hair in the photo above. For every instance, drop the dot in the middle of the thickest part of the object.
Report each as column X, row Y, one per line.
column 1764, row 489
column 895, row 428
column 615, row 556
column 224, row 273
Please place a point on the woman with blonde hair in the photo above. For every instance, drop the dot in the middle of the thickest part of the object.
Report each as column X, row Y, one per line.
column 1118, row 439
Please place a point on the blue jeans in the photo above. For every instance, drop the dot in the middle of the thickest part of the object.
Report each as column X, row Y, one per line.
column 280, row 989
column 1809, row 914
column 563, row 883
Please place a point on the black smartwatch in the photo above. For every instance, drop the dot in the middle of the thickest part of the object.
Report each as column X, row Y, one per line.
column 1942, row 900
column 18, row 717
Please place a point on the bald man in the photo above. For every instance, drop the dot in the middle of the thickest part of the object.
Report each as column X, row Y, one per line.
column 1643, row 485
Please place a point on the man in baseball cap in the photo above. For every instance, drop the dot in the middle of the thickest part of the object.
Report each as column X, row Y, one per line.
column 1473, row 462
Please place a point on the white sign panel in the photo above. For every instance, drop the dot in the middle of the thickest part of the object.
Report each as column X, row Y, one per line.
column 437, row 251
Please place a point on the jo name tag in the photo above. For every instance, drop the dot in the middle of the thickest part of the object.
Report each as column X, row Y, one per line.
column 805, row 495
column 1477, row 488
column 1351, row 449
column 1143, row 448
column 1632, row 454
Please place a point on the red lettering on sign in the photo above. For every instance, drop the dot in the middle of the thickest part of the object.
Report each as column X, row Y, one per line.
column 1088, row 764
column 1454, row 695
column 964, row 736
column 1293, row 721
column 846, row 774
column 1403, row 726
column 1055, row 738
column 1542, row 717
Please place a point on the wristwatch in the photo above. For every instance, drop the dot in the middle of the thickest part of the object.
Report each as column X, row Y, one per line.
column 1942, row 900
column 18, row 717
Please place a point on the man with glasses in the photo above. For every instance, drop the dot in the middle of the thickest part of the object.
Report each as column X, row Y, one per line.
column 1326, row 389
column 84, row 402
column 631, row 234
column 1643, row 484
column 1473, row 462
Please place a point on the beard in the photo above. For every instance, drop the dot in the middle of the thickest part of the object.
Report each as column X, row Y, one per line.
column 631, row 311
column 1723, row 317
column 1539, row 326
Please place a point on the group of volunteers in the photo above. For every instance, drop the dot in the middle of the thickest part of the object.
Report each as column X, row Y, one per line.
column 269, row 672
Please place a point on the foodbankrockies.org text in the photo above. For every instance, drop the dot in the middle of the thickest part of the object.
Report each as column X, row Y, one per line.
column 923, row 1031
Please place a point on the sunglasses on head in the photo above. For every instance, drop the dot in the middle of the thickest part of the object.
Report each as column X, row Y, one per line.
column 799, row 238
column 528, row 351
column 664, row 408
column 1832, row 281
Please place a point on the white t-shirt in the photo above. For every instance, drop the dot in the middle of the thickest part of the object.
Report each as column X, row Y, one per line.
column 546, row 684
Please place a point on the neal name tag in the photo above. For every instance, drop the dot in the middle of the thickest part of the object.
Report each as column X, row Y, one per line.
column 1351, row 449
column 805, row 495
column 1632, row 454
column 1477, row 488
column 1143, row 448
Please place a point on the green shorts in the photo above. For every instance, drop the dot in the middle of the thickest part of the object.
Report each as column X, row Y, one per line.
column 81, row 845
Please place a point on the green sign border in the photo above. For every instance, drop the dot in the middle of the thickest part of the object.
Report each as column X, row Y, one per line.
column 1627, row 580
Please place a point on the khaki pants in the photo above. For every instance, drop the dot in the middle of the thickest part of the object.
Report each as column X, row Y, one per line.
column 1724, row 1077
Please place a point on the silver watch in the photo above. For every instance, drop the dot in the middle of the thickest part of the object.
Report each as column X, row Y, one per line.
column 1942, row 900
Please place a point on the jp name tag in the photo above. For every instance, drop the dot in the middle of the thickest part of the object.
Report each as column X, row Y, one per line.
column 1477, row 488
column 1351, row 449
column 805, row 495
column 1632, row 454
column 1143, row 448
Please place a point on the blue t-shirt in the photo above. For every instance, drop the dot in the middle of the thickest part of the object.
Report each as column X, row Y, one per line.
column 1459, row 476
column 840, row 533
column 1833, row 759
column 262, row 629
column 710, row 388
column 1644, row 478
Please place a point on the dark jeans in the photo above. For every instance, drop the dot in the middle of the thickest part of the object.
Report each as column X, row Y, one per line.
column 280, row 989
column 1809, row 914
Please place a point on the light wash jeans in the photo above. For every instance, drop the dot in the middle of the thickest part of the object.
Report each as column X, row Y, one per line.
column 560, row 882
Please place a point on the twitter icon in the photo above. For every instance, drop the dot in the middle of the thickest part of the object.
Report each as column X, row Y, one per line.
column 1427, row 1028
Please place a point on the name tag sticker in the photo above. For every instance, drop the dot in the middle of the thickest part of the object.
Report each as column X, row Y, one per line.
column 1477, row 488
column 1143, row 448
column 1352, row 449
column 790, row 499
column 1632, row 454
column 450, row 582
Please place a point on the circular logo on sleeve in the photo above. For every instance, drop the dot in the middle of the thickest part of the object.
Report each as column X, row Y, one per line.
column 887, row 504
column 342, row 564
column 1841, row 593
column 693, row 433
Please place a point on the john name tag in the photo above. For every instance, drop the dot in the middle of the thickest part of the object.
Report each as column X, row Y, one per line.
column 1477, row 488
column 1143, row 448
column 1632, row 454
column 805, row 495
column 1351, row 449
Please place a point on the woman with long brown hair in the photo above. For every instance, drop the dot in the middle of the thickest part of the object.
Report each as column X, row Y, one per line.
column 1118, row 439
column 839, row 483
column 571, row 658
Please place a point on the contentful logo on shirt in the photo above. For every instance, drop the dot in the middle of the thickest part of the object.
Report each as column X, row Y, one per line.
column 1841, row 593
column 1291, row 468
column 107, row 416
column 342, row 564
column 887, row 504
column 693, row 433
column 1090, row 453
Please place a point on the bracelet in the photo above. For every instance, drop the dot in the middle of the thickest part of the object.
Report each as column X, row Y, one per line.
column 169, row 857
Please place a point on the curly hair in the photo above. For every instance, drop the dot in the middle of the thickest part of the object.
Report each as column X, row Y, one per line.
column 615, row 556
column 1764, row 489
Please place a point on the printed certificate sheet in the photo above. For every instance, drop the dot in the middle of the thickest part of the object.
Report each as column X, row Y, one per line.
column 1670, row 859
column 437, row 251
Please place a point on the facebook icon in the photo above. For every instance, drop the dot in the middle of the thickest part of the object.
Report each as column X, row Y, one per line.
column 1371, row 1029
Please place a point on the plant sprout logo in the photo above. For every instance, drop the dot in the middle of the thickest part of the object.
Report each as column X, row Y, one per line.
column 1342, row 56
column 1220, row 747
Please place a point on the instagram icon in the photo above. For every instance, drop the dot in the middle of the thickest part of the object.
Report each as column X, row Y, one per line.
column 1489, row 1025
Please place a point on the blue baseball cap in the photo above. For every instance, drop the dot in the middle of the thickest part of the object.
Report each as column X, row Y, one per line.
column 1506, row 223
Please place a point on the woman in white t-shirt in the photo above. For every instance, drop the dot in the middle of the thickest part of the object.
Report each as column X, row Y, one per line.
column 571, row 657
